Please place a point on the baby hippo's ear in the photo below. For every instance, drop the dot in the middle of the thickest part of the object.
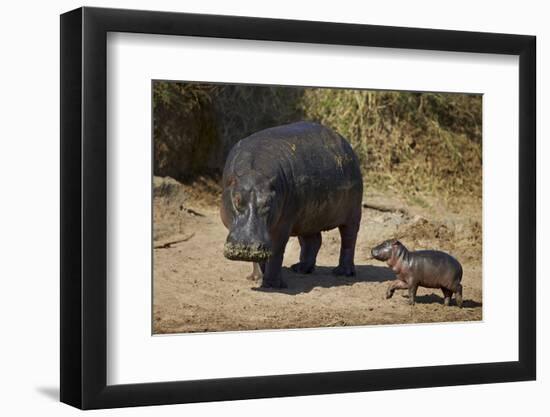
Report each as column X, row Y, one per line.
column 396, row 243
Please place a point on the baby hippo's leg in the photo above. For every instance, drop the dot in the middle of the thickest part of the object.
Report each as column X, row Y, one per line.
column 447, row 294
column 396, row 284
column 458, row 295
column 412, row 293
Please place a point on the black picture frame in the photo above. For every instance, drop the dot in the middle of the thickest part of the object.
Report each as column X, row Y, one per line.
column 84, row 207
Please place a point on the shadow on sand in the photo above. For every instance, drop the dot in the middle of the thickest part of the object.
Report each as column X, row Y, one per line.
column 324, row 278
column 434, row 298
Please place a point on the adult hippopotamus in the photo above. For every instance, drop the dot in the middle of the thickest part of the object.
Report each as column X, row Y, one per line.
column 293, row 180
column 422, row 268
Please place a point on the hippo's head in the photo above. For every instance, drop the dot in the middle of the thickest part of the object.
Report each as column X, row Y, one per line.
column 249, row 211
column 384, row 251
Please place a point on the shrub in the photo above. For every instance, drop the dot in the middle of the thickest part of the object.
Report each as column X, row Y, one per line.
column 415, row 142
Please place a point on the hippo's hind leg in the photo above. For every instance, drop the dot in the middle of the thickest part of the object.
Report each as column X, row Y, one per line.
column 257, row 271
column 348, row 236
column 309, row 248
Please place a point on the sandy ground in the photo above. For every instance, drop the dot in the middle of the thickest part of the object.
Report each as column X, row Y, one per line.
column 197, row 290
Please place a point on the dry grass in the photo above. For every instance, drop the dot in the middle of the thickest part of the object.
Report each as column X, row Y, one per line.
column 412, row 143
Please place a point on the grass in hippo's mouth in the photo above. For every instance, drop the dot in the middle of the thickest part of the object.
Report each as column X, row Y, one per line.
column 245, row 253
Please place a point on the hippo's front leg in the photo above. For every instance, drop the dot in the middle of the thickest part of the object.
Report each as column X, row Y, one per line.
column 272, row 277
column 396, row 284
column 309, row 248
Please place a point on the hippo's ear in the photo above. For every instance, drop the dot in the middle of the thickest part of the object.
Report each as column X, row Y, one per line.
column 230, row 181
column 272, row 183
column 396, row 242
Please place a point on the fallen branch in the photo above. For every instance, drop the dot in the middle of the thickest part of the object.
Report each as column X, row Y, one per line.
column 193, row 212
column 167, row 245
column 386, row 209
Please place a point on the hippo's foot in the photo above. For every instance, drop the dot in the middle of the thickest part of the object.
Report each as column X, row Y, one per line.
column 254, row 277
column 345, row 270
column 389, row 294
column 303, row 268
column 279, row 284
column 256, row 273
column 447, row 301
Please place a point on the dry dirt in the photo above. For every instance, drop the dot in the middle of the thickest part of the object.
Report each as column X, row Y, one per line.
column 197, row 290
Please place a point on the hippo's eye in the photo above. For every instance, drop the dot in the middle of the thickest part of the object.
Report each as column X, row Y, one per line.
column 265, row 198
column 264, row 203
column 263, row 209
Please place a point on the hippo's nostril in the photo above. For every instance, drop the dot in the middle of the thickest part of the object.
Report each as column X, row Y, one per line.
column 231, row 239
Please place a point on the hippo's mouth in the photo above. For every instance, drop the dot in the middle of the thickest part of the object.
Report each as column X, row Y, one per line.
column 239, row 252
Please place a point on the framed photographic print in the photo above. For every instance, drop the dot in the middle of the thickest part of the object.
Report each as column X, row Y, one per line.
column 257, row 208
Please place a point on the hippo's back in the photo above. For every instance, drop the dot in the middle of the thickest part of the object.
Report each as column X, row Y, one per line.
column 318, row 168
column 436, row 268
column 311, row 154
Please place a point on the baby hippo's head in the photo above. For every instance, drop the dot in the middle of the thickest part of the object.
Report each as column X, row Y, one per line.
column 384, row 251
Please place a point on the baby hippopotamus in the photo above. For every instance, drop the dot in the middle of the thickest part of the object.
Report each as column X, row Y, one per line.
column 424, row 268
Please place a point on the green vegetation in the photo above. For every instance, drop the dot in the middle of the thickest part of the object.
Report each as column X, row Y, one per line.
column 411, row 142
